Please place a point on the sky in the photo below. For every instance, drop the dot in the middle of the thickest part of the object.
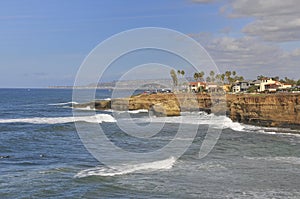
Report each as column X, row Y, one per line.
column 44, row 43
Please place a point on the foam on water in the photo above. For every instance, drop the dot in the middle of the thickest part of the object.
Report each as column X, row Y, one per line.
column 197, row 118
column 271, row 130
column 98, row 118
column 87, row 108
column 136, row 111
column 106, row 99
column 63, row 103
column 122, row 170
column 131, row 111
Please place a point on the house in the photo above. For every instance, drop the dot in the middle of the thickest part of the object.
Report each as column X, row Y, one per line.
column 213, row 87
column 267, row 84
column 197, row 86
column 270, row 85
column 284, row 86
column 254, row 83
column 240, row 86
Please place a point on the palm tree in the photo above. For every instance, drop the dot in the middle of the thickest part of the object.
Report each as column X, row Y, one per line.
column 208, row 79
column 260, row 77
column 218, row 78
column 227, row 75
column 196, row 76
column 182, row 73
column 212, row 76
column 222, row 77
column 174, row 77
column 201, row 75
column 240, row 78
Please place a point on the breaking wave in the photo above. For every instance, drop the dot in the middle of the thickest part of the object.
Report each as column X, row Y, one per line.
column 142, row 167
column 196, row 118
column 106, row 99
column 87, row 108
column 98, row 118
column 134, row 111
column 130, row 111
column 63, row 103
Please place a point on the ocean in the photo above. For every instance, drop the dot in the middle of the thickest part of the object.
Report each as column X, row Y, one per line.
column 42, row 155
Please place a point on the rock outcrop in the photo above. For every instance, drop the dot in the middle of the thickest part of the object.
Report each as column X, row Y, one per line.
column 280, row 110
column 274, row 110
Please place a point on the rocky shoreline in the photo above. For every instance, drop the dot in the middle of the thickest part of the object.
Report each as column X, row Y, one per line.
column 269, row 110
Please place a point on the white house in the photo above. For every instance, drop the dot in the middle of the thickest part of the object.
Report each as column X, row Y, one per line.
column 285, row 86
column 270, row 85
column 195, row 86
column 267, row 84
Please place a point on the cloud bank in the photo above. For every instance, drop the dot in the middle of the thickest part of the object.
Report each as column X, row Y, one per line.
column 259, row 49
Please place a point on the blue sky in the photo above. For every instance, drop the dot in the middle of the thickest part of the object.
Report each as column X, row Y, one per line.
column 43, row 43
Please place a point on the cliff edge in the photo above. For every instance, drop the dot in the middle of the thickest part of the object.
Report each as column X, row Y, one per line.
column 271, row 110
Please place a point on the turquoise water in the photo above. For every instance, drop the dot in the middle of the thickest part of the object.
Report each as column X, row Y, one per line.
column 43, row 157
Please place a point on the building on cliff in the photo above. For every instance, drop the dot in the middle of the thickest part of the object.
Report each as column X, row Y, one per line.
column 263, row 85
column 240, row 86
column 197, row 86
column 270, row 85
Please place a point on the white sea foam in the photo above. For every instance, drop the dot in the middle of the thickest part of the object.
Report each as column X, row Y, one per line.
column 106, row 99
column 197, row 118
column 87, row 108
column 122, row 170
column 63, row 103
column 98, row 118
column 131, row 111
column 135, row 111
column 271, row 130
column 139, row 111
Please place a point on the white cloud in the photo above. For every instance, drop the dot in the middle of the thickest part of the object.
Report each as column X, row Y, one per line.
column 259, row 51
column 263, row 8
column 274, row 20
column 252, row 57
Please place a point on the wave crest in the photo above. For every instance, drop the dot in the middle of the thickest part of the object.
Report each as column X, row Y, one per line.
column 144, row 167
column 63, row 103
column 98, row 118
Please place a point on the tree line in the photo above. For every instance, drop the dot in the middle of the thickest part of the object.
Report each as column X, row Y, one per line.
column 228, row 77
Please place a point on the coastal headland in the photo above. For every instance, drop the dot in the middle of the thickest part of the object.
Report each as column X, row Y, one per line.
column 270, row 110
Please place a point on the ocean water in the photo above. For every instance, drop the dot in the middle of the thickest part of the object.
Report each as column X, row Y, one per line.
column 42, row 155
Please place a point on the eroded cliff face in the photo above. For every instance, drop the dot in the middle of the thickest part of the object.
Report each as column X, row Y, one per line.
column 167, row 104
column 278, row 110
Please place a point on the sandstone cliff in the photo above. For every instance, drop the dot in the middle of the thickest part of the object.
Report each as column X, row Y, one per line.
column 280, row 110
